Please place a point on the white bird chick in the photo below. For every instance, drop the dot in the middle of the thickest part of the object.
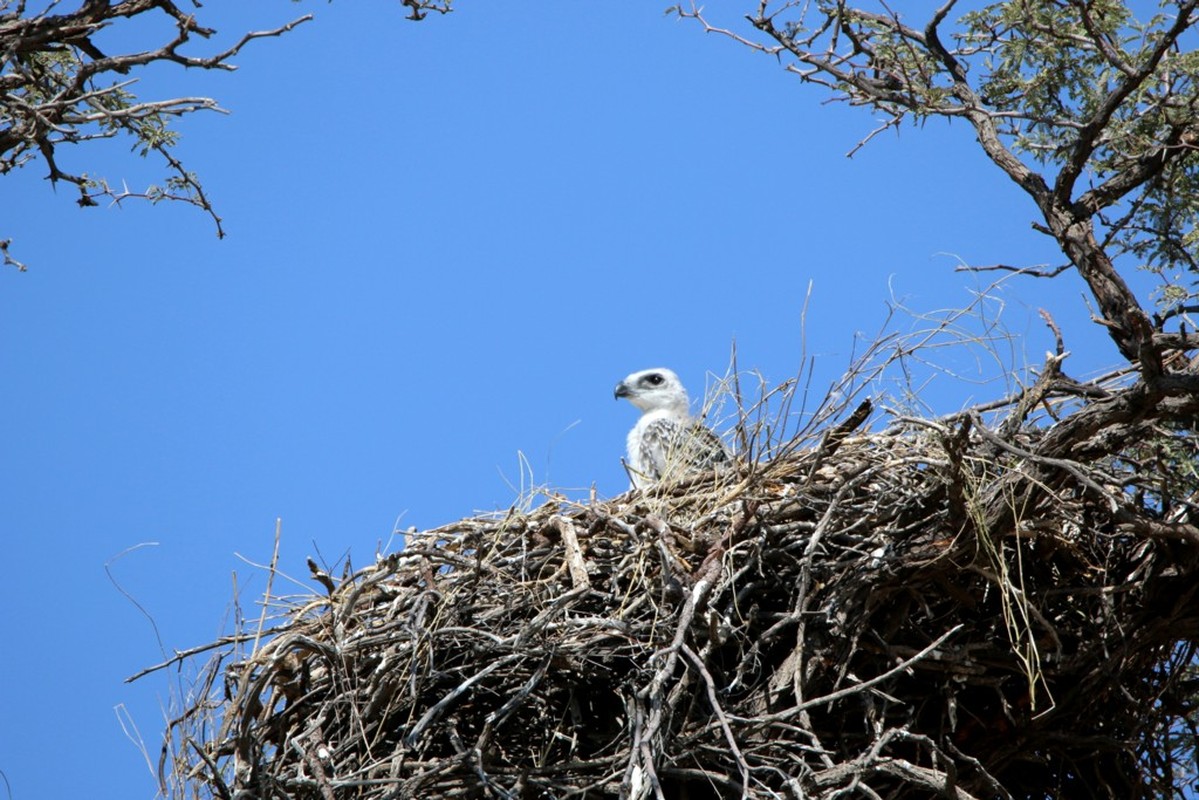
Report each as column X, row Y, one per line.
column 666, row 441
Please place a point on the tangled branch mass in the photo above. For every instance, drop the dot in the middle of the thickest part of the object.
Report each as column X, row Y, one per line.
column 947, row 607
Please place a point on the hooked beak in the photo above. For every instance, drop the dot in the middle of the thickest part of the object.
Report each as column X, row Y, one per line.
column 622, row 390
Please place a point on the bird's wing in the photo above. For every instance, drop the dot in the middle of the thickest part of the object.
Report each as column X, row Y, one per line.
column 697, row 447
column 669, row 446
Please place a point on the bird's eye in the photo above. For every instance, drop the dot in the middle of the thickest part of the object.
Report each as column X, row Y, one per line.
column 655, row 379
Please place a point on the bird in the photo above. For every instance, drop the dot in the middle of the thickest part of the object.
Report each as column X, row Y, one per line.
column 667, row 441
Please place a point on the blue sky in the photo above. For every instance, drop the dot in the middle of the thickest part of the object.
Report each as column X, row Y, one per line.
column 447, row 242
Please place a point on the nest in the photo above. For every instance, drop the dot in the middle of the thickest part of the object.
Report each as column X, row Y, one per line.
column 944, row 608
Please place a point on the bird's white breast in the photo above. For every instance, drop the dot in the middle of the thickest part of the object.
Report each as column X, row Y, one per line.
column 642, row 459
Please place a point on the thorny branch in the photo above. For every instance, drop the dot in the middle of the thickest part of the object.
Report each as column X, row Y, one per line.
column 1131, row 123
column 59, row 89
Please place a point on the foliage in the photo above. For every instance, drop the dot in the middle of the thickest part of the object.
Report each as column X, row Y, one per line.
column 58, row 89
column 1089, row 109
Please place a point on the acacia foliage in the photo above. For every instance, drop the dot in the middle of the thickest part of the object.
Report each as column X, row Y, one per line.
column 1091, row 110
column 59, row 89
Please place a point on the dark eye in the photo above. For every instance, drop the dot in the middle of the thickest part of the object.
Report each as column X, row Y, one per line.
column 655, row 379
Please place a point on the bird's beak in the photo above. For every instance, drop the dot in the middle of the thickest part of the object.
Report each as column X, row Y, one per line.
column 622, row 390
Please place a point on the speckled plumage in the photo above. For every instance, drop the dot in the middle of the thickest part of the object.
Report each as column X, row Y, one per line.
column 666, row 441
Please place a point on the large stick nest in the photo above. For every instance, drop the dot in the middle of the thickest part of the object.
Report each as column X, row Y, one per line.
column 953, row 608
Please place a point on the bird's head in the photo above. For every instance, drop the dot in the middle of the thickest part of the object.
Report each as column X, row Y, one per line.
column 653, row 390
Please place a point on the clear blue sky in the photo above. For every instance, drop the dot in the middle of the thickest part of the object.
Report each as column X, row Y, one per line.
column 447, row 242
